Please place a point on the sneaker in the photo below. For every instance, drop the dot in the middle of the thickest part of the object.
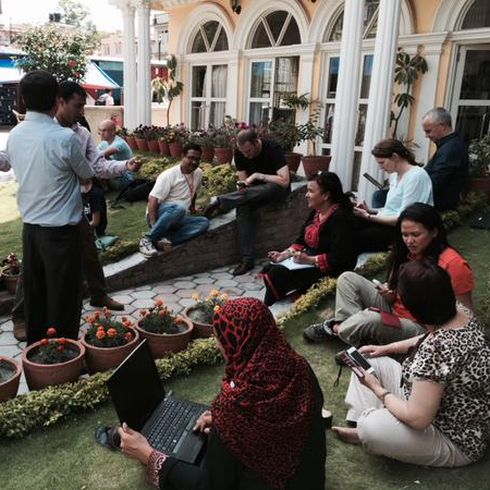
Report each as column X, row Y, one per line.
column 211, row 207
column 147, row 248
column 320, row 332
column 164, row 245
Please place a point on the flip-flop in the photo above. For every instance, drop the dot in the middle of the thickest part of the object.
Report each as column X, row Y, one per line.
column 108, row 436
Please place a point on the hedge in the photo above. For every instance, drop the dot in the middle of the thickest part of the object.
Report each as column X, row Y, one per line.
column 44, row 408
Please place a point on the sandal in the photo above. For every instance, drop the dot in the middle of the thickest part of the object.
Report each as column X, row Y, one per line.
column 108, row 436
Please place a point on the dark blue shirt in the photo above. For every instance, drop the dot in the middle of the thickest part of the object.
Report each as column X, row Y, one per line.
column 448, row 170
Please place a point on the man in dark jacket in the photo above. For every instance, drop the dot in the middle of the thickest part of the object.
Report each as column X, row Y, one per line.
column 448, row 168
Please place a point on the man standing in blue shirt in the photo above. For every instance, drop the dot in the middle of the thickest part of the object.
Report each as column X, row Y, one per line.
column 115, row 148
column 448, row 168
column 48, row 164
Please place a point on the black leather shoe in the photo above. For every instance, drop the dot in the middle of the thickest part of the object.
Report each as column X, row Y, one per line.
column 108, row 302
column 212, row 207
column 243, row 268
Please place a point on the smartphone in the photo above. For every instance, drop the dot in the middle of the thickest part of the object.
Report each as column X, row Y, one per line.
column 373, row 181
column 241, row 185
column 359, row 359
column 377, row 284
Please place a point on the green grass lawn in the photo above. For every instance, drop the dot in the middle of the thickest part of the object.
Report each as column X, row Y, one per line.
column 67, row 457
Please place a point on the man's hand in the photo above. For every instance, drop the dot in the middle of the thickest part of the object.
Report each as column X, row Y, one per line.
column 256, row 176
column 134, row 164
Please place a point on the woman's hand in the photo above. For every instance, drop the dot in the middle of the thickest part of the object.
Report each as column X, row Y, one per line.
column 361, row 212
column 134, row 444
column 302, row 258
column 204, row 422
column 374, row 350
column 276, row 256
column 388, row 294
column 370, row 381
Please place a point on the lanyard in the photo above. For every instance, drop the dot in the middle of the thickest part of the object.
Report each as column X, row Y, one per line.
column 190, row 184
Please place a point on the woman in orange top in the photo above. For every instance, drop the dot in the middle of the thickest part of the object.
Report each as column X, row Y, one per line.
column 369, row 313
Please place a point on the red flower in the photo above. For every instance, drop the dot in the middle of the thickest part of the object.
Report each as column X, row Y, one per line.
column 159, row 302
column 143, row 312
column 100, row 334
column 51, row 332
column 128, row 337
column 112, row 332
column 72, row 63
column 44, row 342
column 62, row 341
column 60, row 348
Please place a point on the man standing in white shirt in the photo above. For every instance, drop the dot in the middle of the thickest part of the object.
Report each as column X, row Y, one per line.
column 48, row 163
column 169, row 203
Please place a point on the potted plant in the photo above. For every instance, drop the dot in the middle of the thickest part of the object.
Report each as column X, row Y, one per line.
column 52, row 361
column 162, row 142
column 11, row 270
column 140, row 137
column 313, row 163
column 152, row 136
column 479, row 159
column 107, row 340
column 224, row 139
column 10, row 371
column 177, row 137
column 201, row 314
column 288, row 135
column 131, row 140
column 205, row 139
column 165, row 332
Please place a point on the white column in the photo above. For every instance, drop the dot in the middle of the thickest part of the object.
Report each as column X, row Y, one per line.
column 129, row 55
column 232, row 83
column 380, row 92
column 143, row 106
column 346, row 100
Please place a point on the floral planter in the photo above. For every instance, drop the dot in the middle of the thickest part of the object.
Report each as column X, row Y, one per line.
column 223, row 155
column 164, row 344
column 176, row 149
column 153, row 146
column 293, row 160
column 142, row 144
column 315, row 164
column 99, row 359
column 8, row 388
column 201, row 330
column 163, row 148
column 10, row 282
column 207, row 154
column 39, row 376
column 479, row 184
column 131, row 141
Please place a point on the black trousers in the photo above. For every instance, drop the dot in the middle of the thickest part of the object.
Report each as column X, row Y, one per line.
column 373, row 237
column 52, row 262
column 247, row 200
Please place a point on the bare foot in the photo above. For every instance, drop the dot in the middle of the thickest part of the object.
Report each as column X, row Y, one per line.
column 348, row 435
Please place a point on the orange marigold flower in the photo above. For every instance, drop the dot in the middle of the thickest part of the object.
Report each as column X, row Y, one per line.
column 143, row 312
column 159, row 302
column 97, row 315
column 44, row 342
column 196, row 296
column 124, row 319
column 179, row 319
column 216, row 308
column 112, row 332
column 214, row 293
column 163, row 313
column 128, row 337
column 225, row 297
column 100, row 334
column 128, row 323
column 62, row 341
column 51, row 332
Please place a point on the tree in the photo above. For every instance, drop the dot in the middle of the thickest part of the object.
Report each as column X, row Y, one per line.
column 59, row 50
column 173, row 88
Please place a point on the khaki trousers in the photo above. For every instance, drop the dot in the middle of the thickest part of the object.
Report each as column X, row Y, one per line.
column 382, row 433
column 360, row 326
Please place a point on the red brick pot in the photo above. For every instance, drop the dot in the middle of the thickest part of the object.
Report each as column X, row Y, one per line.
column 142, row 144
column 176, row 149
column 293, row 160
column 478, row 184
column 39, row 376
column 131, row 141
column 315, row 164
column 99, row 359
column 207, row 154
column 223, row 155
column 162, row 345
column 8, row 389
column 201, row 330
column 163, row 147
column 153, row 146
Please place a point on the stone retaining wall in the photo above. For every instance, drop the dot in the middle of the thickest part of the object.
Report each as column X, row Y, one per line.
column 278, row 225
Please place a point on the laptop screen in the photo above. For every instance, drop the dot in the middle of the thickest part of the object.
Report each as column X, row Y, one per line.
column 135, row 388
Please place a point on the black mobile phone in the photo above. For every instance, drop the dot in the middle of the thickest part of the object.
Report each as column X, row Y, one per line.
column 240, row 184
column 359, row 359
column 373, row 181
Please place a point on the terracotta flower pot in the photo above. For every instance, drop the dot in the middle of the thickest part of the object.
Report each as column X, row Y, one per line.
column 201, row 330
column 315, row 164
column 99, row 359
column 153, row 146
column 164, row 344
column 176, row 149
column 8, row 389
column 223, row 155
column 142, row 144
column 11, row 282
column 131, row 141
column 39, row 376
column 293, row 160
column 478, row 184
column 207, row 154
column 163, row 147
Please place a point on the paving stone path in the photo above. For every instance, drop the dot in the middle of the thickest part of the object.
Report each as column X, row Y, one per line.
column 177, row 294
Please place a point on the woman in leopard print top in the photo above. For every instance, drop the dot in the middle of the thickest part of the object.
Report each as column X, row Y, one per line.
column 439, row 415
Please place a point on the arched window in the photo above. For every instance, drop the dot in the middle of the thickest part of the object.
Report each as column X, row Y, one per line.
column 210, row 37
column 278, row 28
column 478, row 15
column 370, row 23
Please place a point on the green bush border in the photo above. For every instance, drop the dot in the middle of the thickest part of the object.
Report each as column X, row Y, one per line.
column 44, row 408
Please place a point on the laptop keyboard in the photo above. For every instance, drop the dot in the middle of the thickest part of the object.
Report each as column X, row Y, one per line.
column 171, row 423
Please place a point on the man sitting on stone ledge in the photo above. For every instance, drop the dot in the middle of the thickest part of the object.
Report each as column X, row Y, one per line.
column 170, row 200
column 264, row 177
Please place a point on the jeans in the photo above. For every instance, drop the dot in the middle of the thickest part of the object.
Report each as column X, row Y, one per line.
column 175, row 224
column 121, row 182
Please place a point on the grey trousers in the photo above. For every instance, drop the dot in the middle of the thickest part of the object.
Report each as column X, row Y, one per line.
column 246, row 201
column 382, row 433
column 359, row 325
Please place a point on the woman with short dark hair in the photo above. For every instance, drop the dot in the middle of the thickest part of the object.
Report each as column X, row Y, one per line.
column 326, row 245
column 434, row 409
